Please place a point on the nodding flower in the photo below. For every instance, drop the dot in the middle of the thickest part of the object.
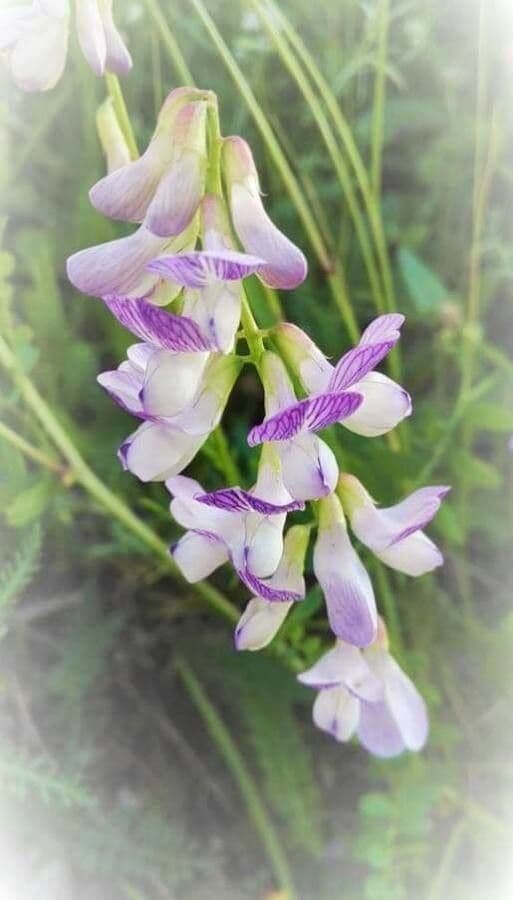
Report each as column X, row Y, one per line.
column 34, row 41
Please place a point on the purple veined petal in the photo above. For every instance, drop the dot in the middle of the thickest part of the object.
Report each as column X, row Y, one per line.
column 384, row 328
column 380, row 529
column 415, row 555
column 238, row 500
column 310, row 469
column 357, row 363
column 384, row 405
column 117, row 267
column 197, row 554
column 337, row 712
column 155, row 452
column 344, row 580
column 118, row 59
column 259, row 623
column 127, row 192
column 36, row 61
column 310, row 414
column 152, row 324
column 378, row 732
column 123, row 387
column 91, row 34
column 266, row 590
column 199, row 267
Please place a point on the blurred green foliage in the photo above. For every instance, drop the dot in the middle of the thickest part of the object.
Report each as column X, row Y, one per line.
column 129, row 795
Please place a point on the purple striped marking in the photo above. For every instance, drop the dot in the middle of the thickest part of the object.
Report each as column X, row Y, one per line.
column 311, row 414
column 265, row 590
column 238, row 500
column 198, row 267
column 152, row 324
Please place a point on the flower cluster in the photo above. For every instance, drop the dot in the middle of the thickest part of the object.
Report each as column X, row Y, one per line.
column 195, row 198
column 34, row 41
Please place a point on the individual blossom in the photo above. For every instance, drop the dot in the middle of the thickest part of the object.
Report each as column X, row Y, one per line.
column 34, row 41
column 384, row 403
column 395, row 534
column 309, row 466
column 286, row 265
column 245, row 527
column 179, row 396
column 367, row 693
column 163, row 187
column 347, row 588
column 262, row 619
column 211, row 276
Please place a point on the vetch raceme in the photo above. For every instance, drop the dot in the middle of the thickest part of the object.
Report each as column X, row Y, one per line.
column 201, row 231
column 34, row 41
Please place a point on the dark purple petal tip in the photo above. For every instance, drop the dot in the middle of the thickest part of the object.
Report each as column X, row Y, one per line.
column 265, row 590
column 238, row 500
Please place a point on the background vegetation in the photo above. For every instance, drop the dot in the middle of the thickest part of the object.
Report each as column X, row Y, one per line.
column 141, row 757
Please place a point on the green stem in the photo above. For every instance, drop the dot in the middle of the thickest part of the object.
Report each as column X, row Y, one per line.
column 107, row 500
column 378, row 111
column 213, row 180
column 334, row 275
column 237, row 766
column 118, row 102
column 251, row 331
column 227, row 464
column 15, row 439
column 339, row 165
column 175, row 54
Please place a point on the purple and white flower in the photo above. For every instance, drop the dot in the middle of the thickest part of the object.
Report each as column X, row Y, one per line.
column 99, row 39
column 262, row 619
column 367, row 693
column 211, row 277
column 164, row 186
column 309, row 466
column 286, row 266
column 34, row 43
column 347, row 588
column 395, row 534
column 245, row 527
column 384, row 403
column 179, row 396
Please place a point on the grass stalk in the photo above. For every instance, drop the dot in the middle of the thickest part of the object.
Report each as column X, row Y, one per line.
column 168, row 39
column 241, row 774
column 118, row 102
column 378, row 108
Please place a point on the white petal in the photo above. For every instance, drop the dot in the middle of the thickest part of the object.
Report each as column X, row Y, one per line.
column 385, row 404
column 156, row 452
column 189, row 513
column 216, row 309
column 259, row 623
column 198, row 555
column 38, row 59
column 117, row 267
column 415, row 555
column 310, row 469
column 172, row 381
column 91, row 34
column 118, row 58
column 336, row 712
column 406, row 705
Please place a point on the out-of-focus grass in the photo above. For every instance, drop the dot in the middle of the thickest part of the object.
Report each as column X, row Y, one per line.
column 388, row 117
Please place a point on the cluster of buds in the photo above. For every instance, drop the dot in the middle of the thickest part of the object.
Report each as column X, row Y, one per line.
column 34, row 41
column 196, row 200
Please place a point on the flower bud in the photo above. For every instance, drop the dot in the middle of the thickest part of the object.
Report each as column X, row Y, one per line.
column 286, row 266
column 112, row 139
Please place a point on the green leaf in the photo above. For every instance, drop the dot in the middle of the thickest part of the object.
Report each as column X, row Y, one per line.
column 490, row 417
column 30, row 503
column 427, row 292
